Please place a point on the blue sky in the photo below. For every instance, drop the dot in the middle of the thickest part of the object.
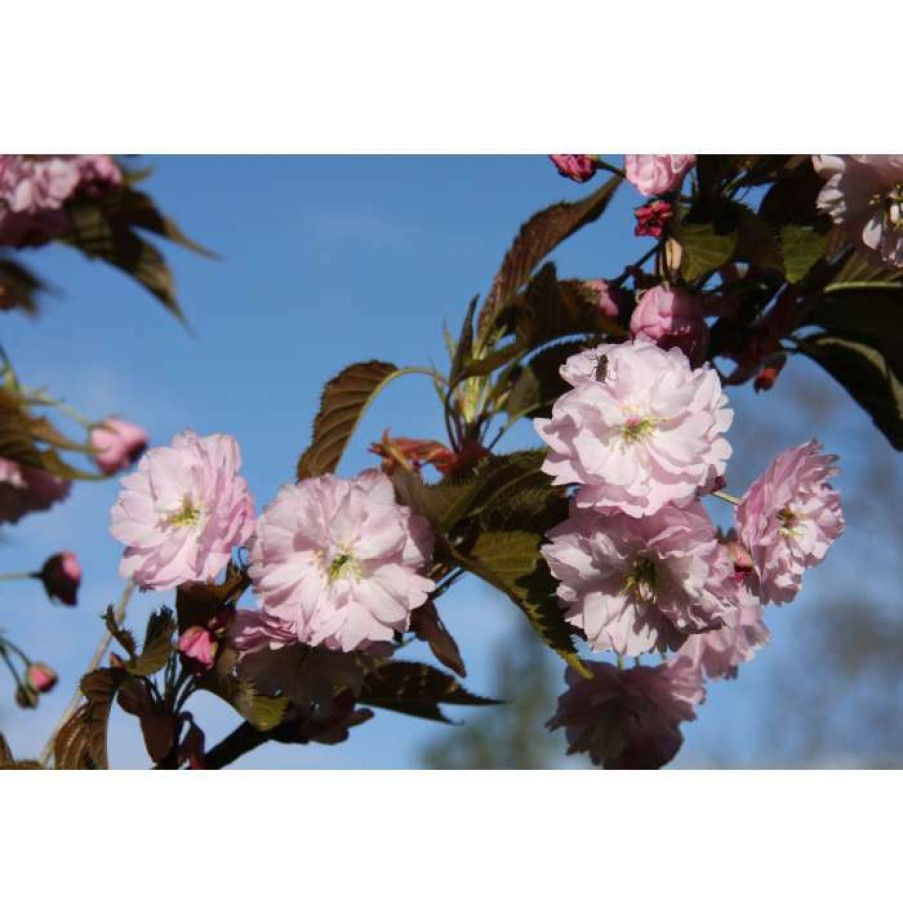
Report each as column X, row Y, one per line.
column 328, row 260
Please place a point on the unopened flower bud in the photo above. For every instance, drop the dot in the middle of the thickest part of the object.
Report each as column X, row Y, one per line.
column 62, row 576
column 578, row 167
column 117, row 444
column 672, row 318
column 41, row 677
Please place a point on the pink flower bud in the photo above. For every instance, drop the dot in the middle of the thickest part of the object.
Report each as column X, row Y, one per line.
column 657, row 173
column 118, row 444
column 579, row 167
column 608, row 304
column 672, row 318
column 62, row 576
column 41, row 677
column 652, row 218
column 198, row 645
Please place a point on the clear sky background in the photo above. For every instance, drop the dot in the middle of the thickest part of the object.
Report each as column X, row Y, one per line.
column 326, row 261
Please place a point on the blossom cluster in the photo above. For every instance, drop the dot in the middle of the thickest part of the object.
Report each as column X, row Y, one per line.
column 34, row 190
column 334, row 562
column 639, row 562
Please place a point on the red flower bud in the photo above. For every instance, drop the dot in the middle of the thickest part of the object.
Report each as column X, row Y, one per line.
column 652, row 218
column 578, row 167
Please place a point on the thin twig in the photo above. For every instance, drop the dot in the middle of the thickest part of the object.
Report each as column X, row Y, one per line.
column 99, row 652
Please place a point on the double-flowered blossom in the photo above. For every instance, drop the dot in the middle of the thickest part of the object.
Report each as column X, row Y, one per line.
column 336, row 563
column 25, row 489
column 657, row 173
column 643, row 431
column 35, row 188
column 718, row 653
column 628, row 718
column 672, row 318
column 864, row 195
column 633, row 585
column 788, row 519
column 181, row 513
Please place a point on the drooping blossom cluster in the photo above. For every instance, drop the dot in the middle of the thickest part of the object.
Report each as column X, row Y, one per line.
column 336, row 563
column 638, row 584
column 863, row 194
column 647, row 435
column 26, row 489
column 628, row 718
column 657, row 173
column 34, row 190
column 183, row 511
column 788, row 518
column 672, row 318
column 639, row 564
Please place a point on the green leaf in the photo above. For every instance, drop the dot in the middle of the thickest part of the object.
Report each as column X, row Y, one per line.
column 801, row 249
column 540, row 382
column 704, row 248
column 859, row 270
column 139, row 210
column 791, row 198
column 864, row 372
column 345, row 399
column 261, row 711
column 415, row 689
column 19, row 288
column 16, row 441
column 448, row 503
column 538, row 237
column 82, row 741
column 510, row 561
column 550, row 309
column 757, row 241
column 96, row 234
column 157, row 646
column 119, row 633
column 871, row 314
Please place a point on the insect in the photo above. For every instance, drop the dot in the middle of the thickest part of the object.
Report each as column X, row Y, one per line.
column 601, row 368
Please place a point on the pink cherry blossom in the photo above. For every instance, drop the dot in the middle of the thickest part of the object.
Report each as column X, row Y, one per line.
column 198, row 645
column 628, row 718
column 62, row 576
column 183, row 511
column 336, row 563
column 650, row 433
column 672, row 318
column 864, row 195
column 637, row 584
column 657, row 173
column 26, row 489
column 718, row 653
column 578, row 167
column 117, row 444
column 788, row 519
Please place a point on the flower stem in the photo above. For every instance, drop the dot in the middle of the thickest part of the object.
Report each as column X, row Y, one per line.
column 18, row 575
column 726, row 497
column 99, row 652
